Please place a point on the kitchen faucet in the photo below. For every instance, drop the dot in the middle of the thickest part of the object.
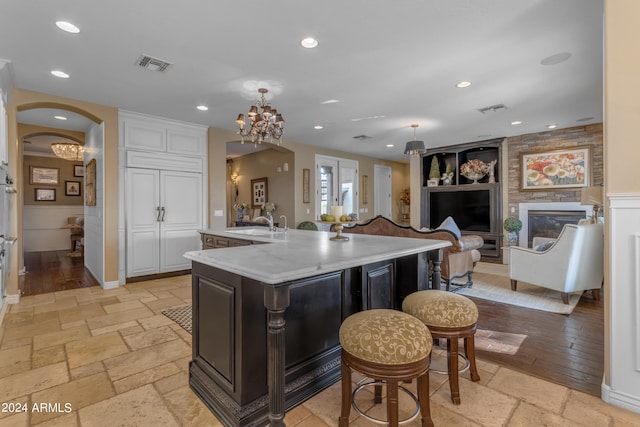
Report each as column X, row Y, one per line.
column 285, row 223
column 269, row 220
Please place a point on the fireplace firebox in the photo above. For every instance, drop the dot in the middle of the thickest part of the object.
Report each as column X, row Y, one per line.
column 549, row 223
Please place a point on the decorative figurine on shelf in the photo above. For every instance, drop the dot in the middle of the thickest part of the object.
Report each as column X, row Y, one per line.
column 490, row 166
column 434, row 173
column 447, row 176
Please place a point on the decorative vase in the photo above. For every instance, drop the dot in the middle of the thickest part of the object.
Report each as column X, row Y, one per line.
column 240, row 214
column 512, row 238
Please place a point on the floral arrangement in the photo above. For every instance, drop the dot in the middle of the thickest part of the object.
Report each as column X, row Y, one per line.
column 406, row 197
column 512, row 224
column 240, row 206
column 269, row 207
column 474, row 167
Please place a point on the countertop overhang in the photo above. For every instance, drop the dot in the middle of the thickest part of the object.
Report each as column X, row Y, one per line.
column 297, row 254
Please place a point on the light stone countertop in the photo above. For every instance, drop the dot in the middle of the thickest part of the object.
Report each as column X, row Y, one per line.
column 297, row 254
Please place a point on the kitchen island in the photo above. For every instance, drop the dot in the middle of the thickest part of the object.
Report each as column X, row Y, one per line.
column 267, row 310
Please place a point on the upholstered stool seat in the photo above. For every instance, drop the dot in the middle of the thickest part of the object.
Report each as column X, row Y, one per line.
column 389, row 346
column 449, row 316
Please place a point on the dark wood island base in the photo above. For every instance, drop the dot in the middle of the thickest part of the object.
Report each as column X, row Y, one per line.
column 260, row 349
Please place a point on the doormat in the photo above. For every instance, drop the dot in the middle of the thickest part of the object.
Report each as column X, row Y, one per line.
column 180, row 315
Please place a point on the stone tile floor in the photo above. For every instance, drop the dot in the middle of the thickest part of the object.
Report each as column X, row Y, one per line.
column 89, row 357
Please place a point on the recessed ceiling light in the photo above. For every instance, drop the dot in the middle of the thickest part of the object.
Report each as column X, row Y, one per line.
column 516, row 122
column 309, row 43
column 68, row 27
column 60, row 74
column 389, row 145
column 60, row 117
column 463, row 84
column 202, row 107
column 317, row 127
column 330, row 101
column 556, row 59
column 552, row 126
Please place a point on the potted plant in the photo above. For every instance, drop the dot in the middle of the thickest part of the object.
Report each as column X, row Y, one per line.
column 434, row 173
column 240, row 207
column 512, row 226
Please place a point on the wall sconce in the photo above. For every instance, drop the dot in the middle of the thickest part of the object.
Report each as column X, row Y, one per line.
column 234, row 178
column 284, row 168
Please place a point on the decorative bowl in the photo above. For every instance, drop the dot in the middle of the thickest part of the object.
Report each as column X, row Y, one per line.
column 474, row 176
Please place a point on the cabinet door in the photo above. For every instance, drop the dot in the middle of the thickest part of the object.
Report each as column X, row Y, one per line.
column 143, row 226
column 145, row 136
column 378, row 284
column 181, row 199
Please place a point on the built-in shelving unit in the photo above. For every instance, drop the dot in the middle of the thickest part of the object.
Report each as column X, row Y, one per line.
column 475, row 207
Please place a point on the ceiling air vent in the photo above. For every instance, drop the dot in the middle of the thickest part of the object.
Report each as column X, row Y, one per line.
column 493, row 109
column 153, row 64
column 362, row 137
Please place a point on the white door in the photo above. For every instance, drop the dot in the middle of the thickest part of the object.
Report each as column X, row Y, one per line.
column 143, row 221
column 349, row 186
column 382, row 190
column 327, row 181
column 180, row 218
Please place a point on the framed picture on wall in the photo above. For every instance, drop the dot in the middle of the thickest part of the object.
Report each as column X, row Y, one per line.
column 72, row 188
column 45, row 195
column 78, row 170
column 306, row 173
column 40, row 175
column 90, row 183
column 258, row 192
column 556, row 170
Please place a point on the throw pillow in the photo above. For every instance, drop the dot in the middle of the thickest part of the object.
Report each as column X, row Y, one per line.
column 450, row 225
column 544, row 246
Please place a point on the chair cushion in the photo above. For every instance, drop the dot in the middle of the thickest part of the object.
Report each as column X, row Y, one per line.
column 441, row 309
column 388, row 337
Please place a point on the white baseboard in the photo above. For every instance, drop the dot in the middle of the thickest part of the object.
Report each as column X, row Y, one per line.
column 111, row 285
column 12, row 299
column 622, row 400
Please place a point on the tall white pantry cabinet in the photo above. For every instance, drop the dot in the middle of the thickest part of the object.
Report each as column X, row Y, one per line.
column 164, row 192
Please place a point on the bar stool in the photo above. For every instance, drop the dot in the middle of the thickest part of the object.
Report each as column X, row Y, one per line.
column 388, row 346
column 449, row 316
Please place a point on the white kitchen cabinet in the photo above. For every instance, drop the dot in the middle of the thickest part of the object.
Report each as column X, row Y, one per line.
column 164, row 212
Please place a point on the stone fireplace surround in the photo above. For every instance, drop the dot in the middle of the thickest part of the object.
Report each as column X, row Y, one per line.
column 524, row 208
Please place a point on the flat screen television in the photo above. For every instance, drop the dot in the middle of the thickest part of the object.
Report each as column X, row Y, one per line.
column 471, row 210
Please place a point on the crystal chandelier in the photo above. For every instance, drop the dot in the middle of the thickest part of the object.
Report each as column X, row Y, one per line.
column 266, row 126
column 414, row 148
column 68, row 151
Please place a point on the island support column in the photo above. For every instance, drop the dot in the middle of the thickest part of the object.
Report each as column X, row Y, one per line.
column 276, row 300
column 436, row 275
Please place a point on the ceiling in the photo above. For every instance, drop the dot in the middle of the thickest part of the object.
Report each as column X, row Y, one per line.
column 388, row 63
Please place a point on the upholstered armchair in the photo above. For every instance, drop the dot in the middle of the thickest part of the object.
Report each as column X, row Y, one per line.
column 574, row 262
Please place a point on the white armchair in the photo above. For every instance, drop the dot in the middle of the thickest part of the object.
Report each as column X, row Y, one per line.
column 575, row 262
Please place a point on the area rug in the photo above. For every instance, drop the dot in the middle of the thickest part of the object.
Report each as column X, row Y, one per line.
column 496, row 286
column 181, row 315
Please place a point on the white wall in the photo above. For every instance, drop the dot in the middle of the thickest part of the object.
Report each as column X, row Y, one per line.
column 93, row 218
column 43, row 227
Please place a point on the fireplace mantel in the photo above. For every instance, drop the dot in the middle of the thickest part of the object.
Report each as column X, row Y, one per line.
column 524, row 208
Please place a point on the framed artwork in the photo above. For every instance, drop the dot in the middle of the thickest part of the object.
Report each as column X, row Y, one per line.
column 72, row 188
column 78, row 170
column 40, row 175
column 90, row 183
column 45, row 195
column 305, row 185
column 365, row 178
column 556, row 170
column 258, row 192
column 256, row 213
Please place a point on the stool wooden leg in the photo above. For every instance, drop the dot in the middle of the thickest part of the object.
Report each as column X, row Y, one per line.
column 452, row 365
column 343, row 421
column 423, row 398
column 392, row 403
column 377, row 393
column 470, row 351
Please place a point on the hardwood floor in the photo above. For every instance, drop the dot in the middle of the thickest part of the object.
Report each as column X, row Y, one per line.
column 53, row 271
column 568, row 350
